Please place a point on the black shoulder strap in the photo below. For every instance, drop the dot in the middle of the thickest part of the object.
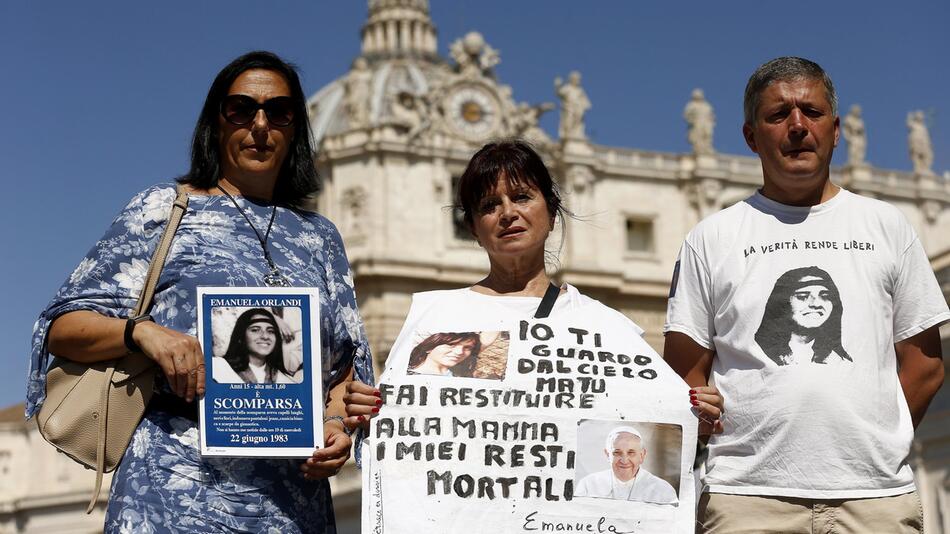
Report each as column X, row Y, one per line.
column 547, row 302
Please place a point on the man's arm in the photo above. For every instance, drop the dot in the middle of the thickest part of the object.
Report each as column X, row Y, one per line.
column 693, row 362
column 689, row 359
column 920, row 370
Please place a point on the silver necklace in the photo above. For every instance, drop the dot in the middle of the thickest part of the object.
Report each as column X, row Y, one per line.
column 274, row 278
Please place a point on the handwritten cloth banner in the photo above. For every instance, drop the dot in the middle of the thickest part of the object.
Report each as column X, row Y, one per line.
column 497, row 422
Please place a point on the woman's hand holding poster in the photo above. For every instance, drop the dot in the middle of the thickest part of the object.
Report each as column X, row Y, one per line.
column 492, row 422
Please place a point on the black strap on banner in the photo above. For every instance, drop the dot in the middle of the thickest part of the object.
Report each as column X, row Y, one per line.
column 547, row 302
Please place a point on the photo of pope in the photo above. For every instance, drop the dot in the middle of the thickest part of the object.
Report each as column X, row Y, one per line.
column 626, row 479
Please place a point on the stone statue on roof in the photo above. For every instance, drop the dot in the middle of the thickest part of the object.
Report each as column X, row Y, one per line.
column 524, row 122
column 574, row 104
column 473, row 56
column 701, row 121
column 411, row 112
column 856, row 137
column 918, row 140
column 357, row 92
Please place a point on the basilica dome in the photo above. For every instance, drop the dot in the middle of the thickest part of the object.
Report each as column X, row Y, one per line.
column 399, row 61
column 399, row 84
column 389, row 80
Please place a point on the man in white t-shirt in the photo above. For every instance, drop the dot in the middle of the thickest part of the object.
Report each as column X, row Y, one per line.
column 627, row 479
column 815, row 312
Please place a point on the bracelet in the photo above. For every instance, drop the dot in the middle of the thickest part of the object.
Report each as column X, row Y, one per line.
column 129, row 327
column 346, row 429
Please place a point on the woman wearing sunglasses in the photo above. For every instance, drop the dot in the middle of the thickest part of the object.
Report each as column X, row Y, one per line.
column 251, row 170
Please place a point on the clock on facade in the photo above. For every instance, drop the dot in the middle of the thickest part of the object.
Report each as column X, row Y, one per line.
column 473, row 111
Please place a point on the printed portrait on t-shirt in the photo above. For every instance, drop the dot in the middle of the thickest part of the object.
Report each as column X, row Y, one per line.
column 802, row 319
column 460, row 354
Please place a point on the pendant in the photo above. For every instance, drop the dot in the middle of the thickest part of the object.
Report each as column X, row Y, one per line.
column 275, row 279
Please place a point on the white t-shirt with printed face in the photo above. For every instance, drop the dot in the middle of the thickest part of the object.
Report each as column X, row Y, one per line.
column 803, row 306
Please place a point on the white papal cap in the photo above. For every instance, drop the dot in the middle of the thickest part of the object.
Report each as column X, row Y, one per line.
column 609, row 444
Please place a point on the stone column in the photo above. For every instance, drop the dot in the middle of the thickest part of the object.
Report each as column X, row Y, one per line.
column 418, row 34
column 392, row 35
column 379, row 37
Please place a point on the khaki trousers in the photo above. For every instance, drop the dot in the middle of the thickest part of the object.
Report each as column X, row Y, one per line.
column 720, row 513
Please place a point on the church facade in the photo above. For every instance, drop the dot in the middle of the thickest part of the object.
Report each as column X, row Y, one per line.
column 394, row 134
column 397, row 130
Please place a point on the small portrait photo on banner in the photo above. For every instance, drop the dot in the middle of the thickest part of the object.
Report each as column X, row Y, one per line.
column 460, row 354
column 256, row 345
column 628, row 461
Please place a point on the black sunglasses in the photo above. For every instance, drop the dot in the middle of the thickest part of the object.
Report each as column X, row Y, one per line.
column 240, row 110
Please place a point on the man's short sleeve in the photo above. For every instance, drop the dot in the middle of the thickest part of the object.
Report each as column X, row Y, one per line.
column 689, row 309
column 918, row 302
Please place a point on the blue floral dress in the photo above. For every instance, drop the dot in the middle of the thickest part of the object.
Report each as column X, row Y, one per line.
column 163, row 484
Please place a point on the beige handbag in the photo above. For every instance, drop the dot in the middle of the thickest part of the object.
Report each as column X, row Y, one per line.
column 92, row 410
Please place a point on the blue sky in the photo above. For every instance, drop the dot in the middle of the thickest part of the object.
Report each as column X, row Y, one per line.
column 101, row 97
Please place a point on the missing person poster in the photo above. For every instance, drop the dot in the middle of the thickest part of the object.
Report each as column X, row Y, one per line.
column 263, row 387
column 493, row 422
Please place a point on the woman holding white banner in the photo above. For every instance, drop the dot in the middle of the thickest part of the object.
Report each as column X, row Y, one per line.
column 528, row 424
column 510, row 204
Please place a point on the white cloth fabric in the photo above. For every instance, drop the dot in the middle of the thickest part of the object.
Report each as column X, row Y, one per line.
column 645, row 487
column 527, row 306
column 803, row 306
column 488, row 311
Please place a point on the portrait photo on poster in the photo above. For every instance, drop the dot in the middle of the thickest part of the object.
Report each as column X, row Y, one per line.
column 261, row 345
column 802, row 320
column 460, row 354
column 628, row 461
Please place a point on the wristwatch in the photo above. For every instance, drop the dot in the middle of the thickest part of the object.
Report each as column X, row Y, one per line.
column 130, row 326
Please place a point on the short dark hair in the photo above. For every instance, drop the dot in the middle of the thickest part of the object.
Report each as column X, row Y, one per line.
column 783, row 69
column 298, row 176
column 519, row 163
column 238, row 355
column 420, row 352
